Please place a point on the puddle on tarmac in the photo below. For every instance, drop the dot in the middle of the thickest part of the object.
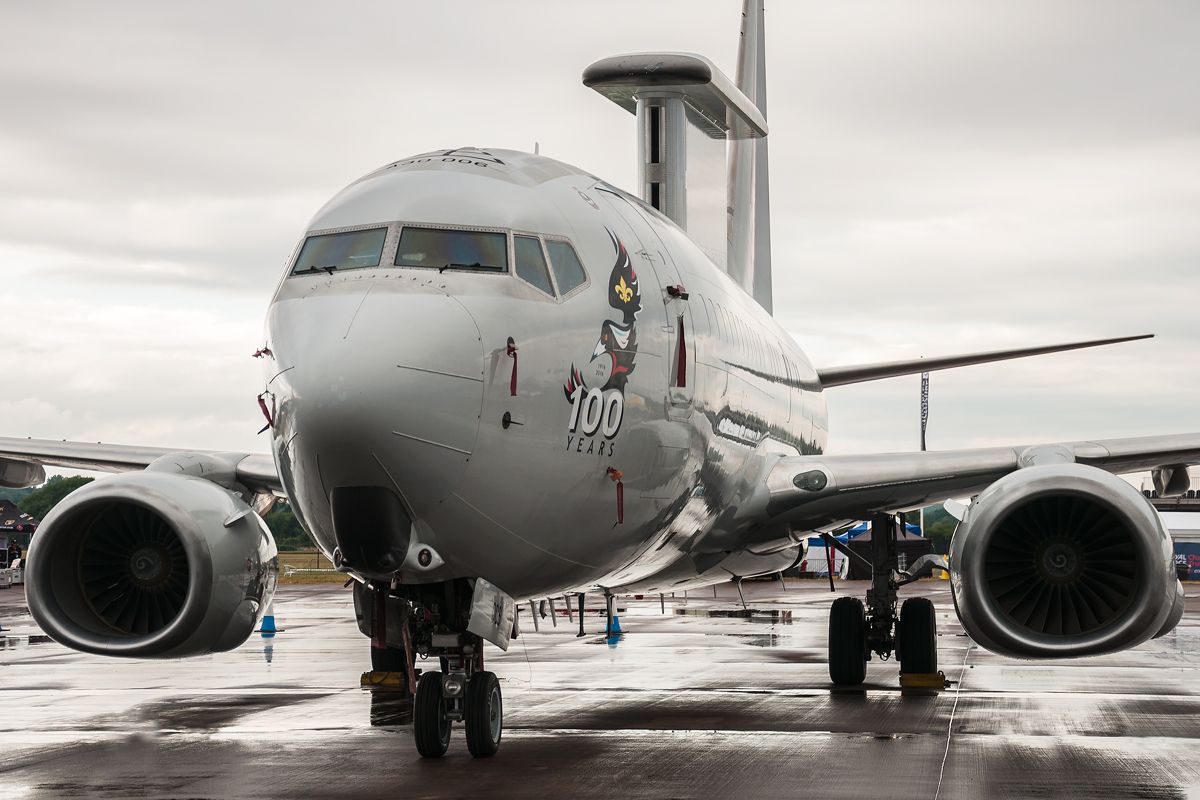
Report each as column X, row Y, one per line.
column 752, row 639
column 19, row 642
column 611, row 641
column 770, row 617
column 763, row 640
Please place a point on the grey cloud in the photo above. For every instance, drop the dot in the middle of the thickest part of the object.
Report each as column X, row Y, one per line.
column 946, row 176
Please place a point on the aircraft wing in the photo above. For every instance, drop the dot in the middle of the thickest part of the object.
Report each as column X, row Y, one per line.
column 817, row 492
column 254, row 471
column 861, row 373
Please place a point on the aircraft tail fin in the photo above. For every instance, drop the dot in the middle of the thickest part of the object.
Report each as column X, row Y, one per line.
column 748, row 183
column 698, row 127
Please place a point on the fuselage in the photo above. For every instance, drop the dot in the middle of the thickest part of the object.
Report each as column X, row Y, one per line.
column 539, row 428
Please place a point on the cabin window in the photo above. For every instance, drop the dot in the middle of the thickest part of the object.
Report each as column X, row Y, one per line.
column 568, row 272
column 442, row 249
column 346, row 250
column 531, row 264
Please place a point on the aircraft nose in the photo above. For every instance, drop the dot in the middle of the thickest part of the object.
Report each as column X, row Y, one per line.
column 385, row 391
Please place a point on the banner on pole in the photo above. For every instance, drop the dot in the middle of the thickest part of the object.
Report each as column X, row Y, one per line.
column 924, row 406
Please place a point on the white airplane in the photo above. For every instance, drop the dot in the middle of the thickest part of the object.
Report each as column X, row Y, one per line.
column 491, row 377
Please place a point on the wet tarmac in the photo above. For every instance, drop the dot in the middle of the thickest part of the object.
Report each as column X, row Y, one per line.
column 703, row 701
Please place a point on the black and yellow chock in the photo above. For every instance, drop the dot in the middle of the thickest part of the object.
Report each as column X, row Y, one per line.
column 924, row 680
column 383, row 680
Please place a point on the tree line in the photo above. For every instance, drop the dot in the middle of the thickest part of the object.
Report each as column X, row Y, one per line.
column 289, row 535
column 37, row 502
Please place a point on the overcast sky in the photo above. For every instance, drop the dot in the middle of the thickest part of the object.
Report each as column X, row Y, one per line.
column 946, row 176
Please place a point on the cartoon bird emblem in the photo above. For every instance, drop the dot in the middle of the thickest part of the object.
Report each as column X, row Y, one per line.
column 613, row 357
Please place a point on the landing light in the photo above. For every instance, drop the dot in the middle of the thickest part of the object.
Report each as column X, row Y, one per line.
column 812, row 481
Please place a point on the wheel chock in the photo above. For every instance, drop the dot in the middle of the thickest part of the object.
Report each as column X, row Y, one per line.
column 924, row 680
column 378, row 679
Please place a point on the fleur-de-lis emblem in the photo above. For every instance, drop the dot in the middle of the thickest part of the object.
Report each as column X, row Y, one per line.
column 624, row 291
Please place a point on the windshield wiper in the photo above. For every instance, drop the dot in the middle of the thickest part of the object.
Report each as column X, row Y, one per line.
column 329, row 268
column 476, row 265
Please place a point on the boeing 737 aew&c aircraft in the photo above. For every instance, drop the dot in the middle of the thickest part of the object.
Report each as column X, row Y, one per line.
column 490, row 377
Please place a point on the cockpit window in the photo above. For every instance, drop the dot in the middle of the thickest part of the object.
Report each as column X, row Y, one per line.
column 568, row 272
column 452, row 249
column 531, row 264
column 348, row 250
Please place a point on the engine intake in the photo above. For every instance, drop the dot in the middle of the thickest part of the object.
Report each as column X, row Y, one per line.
column 1062, row 560
column 133, row 569
column 151, row 565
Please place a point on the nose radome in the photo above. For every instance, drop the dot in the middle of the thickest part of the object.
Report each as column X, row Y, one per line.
column 390, row 396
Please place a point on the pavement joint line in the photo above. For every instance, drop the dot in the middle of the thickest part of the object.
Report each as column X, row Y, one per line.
column 962, row 674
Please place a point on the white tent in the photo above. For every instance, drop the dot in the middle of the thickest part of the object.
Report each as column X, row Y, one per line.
column 816, row 559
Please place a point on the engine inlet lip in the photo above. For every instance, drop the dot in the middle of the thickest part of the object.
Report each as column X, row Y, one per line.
column 56, row 539
column 1000, row 633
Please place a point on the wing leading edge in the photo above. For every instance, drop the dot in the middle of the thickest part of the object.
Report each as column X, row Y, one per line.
column 861, row 373
column 817, row 492
column 254, row 471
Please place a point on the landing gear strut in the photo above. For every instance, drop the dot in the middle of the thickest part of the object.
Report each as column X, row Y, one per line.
column 856, row 629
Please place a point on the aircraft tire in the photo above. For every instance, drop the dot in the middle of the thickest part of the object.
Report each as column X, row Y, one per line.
column 484, row 715
column 916, row 635
column 847, row 642
column 431, row 726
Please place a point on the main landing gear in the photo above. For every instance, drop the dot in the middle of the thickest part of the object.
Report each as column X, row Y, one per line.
column 856, row 629
column 433, row 623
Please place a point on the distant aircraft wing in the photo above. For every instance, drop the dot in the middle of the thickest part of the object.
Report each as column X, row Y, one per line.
column 815, row 492
column 861, row 373
column 254, row 471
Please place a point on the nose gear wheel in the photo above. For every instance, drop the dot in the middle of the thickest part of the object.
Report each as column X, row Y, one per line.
column 484, row 715
column 431, row 726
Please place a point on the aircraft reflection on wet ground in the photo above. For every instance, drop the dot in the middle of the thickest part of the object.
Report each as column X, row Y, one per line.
column 708, row 700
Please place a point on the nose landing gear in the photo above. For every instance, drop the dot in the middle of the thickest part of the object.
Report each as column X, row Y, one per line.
column 441, row 700
column 464, row 692
column 431, row 620
column 482, row 713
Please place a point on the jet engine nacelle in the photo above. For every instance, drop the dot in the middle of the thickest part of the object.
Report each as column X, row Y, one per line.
column 151, row 565
column 1063, row 560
